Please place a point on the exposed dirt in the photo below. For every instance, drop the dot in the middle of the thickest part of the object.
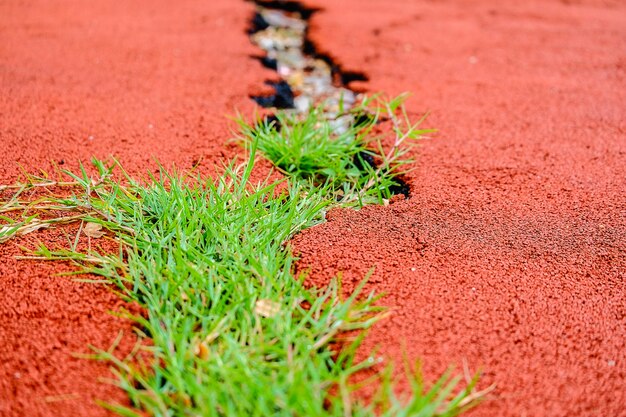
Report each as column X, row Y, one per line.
column 510, row 254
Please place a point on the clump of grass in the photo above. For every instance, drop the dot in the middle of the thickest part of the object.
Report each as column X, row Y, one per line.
column 233, row 331
column 352, row 162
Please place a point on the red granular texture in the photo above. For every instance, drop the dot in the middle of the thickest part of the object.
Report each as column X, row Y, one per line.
column 139, row 80
column 511, row 253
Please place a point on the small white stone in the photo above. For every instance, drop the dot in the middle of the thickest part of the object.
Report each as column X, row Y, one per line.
column 611, row 363
column 283, row 70
column 302, row 104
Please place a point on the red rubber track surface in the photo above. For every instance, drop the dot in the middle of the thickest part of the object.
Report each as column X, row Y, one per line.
column 140, row 80
column 510, row 255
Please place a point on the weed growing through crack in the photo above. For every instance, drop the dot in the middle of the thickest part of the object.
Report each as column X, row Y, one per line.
column 233, row 331
column 351, row 163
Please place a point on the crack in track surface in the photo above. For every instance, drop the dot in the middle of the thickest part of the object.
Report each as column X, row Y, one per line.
column 308, row 78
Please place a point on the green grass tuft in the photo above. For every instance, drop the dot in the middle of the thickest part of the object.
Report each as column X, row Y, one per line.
column 233, row 331
column 352, row 162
